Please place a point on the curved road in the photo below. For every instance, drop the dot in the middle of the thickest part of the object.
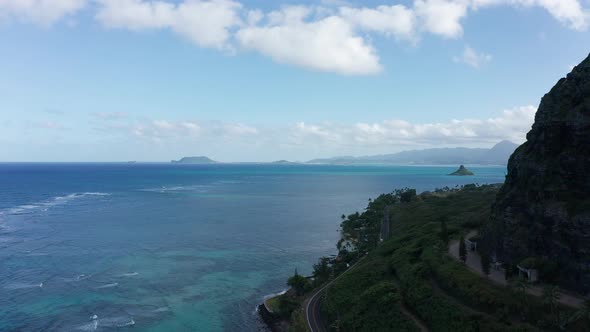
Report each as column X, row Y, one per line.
column 312, row 305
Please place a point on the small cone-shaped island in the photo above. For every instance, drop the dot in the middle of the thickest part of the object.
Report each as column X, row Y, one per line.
column 462, row 171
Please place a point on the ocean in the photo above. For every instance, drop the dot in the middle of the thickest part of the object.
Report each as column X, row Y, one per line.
column 162, row 247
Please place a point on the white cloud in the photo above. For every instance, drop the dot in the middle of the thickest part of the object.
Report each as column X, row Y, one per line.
column 238, row 129
column 512, row 124
column 397, row 21
column 473, row 58
column 334, row 36
column 568, row 12
column 307, row 139
column 327, row 44
column 205, row 22
column 442, row 17
column 42, row 12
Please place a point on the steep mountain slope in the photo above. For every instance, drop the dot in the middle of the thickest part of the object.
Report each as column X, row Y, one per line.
column 543, row 209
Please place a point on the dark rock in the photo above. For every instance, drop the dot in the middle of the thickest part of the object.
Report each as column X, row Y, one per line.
column 462, row 171
column 543, row 209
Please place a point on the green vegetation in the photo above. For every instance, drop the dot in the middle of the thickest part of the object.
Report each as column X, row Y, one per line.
column 444, row 232
column 410, row 276
column 273, row 303
column 299, row 283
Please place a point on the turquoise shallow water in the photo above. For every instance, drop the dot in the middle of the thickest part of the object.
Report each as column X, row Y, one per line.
column 158, row 247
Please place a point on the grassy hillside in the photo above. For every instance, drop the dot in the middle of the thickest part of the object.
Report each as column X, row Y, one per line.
column 409, row 279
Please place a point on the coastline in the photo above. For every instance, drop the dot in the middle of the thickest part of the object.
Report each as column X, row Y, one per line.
column 272, row 320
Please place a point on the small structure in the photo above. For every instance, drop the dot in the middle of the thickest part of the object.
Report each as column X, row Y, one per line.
column 471, row 243
column 497, row 265
column 529, row 268
column 530, row 274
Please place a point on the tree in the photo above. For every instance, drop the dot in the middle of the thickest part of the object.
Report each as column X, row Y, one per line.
column 321, row 270
column 298, row 283
column 462, row 250
column 551, row 298
column 485, row 263
column 444, row 233
column 407, row 195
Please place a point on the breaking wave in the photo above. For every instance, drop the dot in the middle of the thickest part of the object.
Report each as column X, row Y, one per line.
column 114, row 284
column 47, row 204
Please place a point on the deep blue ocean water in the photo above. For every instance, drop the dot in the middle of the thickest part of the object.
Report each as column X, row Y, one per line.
column 161, row 247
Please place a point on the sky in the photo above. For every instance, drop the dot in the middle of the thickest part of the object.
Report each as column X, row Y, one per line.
column 254, row 80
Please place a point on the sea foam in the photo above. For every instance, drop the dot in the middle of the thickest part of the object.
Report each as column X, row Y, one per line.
column 49, row 203
column 115, row 284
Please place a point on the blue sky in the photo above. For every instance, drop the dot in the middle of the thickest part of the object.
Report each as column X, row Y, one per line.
column 116, row 80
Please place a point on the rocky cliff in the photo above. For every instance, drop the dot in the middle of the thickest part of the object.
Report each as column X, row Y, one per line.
column 543, row 209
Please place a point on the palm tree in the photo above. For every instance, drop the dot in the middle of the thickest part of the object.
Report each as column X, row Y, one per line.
column 550, row 298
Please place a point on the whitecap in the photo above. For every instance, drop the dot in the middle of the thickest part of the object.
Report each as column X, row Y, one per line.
column 79, row 277
column 20, row 285
column 46, row 204
column 115, row 284
column 177, row 189
column 92, row 326
column 116, row 322
column 129, row 274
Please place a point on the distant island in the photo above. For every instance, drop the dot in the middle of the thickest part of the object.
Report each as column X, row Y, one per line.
column 194, row 160
column 497, row 155
column 462, row 171
column 284, row 162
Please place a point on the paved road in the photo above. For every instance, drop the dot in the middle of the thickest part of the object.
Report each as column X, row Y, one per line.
column 312, row 305
column 474, row 263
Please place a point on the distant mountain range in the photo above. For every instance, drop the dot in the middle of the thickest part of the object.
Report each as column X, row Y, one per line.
column 497, row 155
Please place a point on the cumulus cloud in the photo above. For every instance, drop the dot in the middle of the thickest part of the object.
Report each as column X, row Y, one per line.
column 205, row 22
column 396, row 21
column 42, row 12
column 387, row 135
column 473, row 58
column 511, row 124
column 333, row 36
column 186, row 131
column 327, row 44
column 442, row 17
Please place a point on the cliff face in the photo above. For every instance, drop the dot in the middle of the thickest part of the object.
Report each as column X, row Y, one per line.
column 543, row 209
